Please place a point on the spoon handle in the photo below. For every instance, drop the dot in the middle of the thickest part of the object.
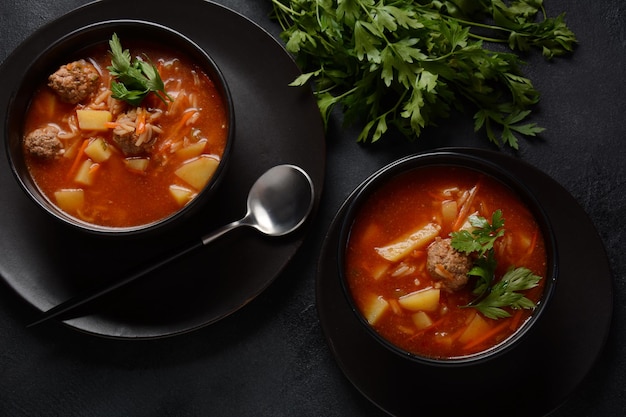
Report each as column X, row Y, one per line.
column 82, row 299
column 210, row 237
column 90, row 295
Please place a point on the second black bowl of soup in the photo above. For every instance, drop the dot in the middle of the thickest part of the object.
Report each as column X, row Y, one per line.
column 123, row 141
column 446, row 259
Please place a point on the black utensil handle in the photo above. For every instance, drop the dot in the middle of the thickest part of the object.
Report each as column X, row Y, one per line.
column 93, row 294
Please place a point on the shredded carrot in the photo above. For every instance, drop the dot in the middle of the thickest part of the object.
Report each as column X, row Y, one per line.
column 184, row 118
column 78, row 158
column 93, row 168
column 177, row 133
column 485, row 336
column 533, row 242
column 141, row 121
column 395, row 306
column 465, row 208
column 517, row 317
column 111, row 125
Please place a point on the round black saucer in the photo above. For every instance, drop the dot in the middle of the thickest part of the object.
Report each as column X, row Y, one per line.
column 275, row 124
column 533, row 379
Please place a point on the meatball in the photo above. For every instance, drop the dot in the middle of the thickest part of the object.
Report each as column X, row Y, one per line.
column 126, row 135
column 44, row 143
column 74, row 82
column 447, row 265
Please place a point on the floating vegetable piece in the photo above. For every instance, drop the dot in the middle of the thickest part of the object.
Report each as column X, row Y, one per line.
column 397, row 250
column 197, row 172
column 422, row 300
column 93, row 119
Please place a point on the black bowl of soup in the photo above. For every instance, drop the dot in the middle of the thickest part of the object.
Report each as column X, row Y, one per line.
column 121, row 128
column 446, row 259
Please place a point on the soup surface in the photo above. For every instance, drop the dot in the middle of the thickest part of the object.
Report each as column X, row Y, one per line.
column 111, row 163
column 389, row 268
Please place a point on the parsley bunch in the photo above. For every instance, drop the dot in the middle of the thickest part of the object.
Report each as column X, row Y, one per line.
column 490, row 297
column 134, row 79
column 407, row 63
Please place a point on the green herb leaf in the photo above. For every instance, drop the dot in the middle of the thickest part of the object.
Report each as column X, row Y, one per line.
column 133, row 79
column 490, row 297
column 505, row 293
column 482, row 238
column 373, row 57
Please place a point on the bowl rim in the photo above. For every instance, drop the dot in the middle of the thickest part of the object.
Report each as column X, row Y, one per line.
column 452, row 158
column 47, row 60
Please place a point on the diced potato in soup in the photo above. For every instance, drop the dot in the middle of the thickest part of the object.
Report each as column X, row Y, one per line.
column 477, row 326
column 374, row 309
column 86, row 172
column 93, row 119
column 197, row 172
column 421, row 300
column 191, row 151
column 422, row 320
column 182, row 195
column 397, row 250
column 98, row 150
column 70, row 200
column 137, row 164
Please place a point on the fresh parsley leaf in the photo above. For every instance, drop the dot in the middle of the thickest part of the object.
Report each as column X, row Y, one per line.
column 133, row 97
column 408, row 63
column 483, row 236
column 505, row 294
column 134, row 79
column 491, row 296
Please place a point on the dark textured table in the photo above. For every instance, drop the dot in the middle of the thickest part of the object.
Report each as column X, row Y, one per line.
column 271, row 358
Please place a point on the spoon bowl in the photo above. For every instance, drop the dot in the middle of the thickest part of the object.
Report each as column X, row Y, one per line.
column 278, row 203
column 281, row 200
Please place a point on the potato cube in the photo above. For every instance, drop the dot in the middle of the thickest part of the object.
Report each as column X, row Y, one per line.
column 374, row 308
column 197, row 172
column 72, row 149
column 98, row 150
column 93, row 119
column 192, row 150
column 86, row 172
column 70, row 200
column 449, row 210
column 397, row 250
column 443, row 339
column 379, row 271
column 182, row 195
column 476, row 327
column 422, row 320
column 137, row 164
column 421, row 300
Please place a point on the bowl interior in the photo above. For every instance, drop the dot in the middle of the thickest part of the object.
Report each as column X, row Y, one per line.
column 70, row 47
column 460, row 160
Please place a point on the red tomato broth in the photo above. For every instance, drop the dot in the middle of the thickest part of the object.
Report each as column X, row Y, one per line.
column 408, row 202
column 120, row 197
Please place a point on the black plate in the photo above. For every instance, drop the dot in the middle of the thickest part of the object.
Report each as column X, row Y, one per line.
column 531, row 380
column 275, row 124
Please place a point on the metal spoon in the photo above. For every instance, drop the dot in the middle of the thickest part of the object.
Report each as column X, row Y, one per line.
column 279, row 202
